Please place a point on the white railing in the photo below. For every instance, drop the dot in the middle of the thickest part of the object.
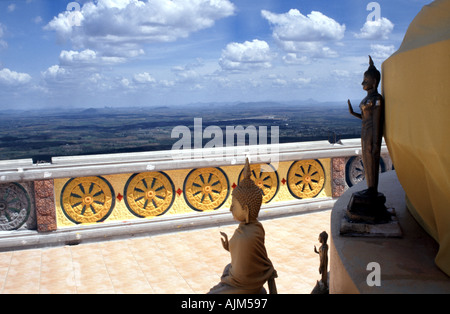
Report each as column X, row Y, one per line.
column 41, row 177
column 80, row 166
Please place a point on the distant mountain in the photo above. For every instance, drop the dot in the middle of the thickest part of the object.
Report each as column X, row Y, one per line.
column 258, row 105
column 237, row 106
column 90, row 111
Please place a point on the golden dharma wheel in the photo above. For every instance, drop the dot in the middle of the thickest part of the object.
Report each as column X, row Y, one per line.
column 87, row 200
column 266, row 178
column 206, row 189
column 306, row 178
column 149, row 194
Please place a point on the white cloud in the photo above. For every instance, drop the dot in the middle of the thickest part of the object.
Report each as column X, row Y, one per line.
column 341, row 73
column 307, row 49
column 53, row 72
column 125, row 82
column 12, row 78
column 378, row 29
column 302, row 81
column 12, row 7
column 143, row 78
column 71, row 57
column 95, row 78
column 294, row 26
column 186, row 75
column 119, row 4
column 293, row 58
column 381, row 51
column 86, row 57
column 189, row 72
column 143, row 82
column 3, row 44
column 304, row 36
column 75, row 80
column 288, row 80
column 166, row 83
column 121, row 27
column 247, row 55
column 279, row 82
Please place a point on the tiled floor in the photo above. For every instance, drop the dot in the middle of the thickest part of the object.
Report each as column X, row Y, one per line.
column 185, row 262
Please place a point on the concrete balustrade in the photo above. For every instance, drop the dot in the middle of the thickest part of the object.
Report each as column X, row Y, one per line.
column 66, row 167
column 62, row 201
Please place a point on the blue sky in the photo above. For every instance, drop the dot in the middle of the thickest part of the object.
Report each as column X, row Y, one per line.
column 161, row 52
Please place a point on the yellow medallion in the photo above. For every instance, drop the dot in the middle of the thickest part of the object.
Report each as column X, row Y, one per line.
column 206, row 189
column 149, row 194
column 306, row 178
column 87, row 200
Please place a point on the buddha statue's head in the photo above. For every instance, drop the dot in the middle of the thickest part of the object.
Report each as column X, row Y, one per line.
column 372, row 77
column 246, row 198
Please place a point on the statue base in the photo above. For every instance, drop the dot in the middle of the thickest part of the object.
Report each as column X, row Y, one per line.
column 390, row 229
column 367, row 216
column 367, row 207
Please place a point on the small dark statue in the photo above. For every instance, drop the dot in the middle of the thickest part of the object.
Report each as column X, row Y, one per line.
column 368, row 206
column 322, row 285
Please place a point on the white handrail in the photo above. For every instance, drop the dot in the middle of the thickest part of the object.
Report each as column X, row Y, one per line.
column 95, row 165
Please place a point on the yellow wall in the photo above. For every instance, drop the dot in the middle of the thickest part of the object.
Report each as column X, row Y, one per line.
column 416, row 88
column 91, row 200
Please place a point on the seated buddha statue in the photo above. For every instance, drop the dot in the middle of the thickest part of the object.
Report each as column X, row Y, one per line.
column 250, row 267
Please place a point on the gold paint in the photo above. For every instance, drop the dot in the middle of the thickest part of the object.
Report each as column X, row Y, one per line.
column 87, row 200
column 306, row 178
column 206, row 189
column 149, row 194
column 182, row 204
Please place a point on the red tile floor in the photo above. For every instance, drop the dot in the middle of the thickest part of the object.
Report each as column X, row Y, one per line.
column 186, row 262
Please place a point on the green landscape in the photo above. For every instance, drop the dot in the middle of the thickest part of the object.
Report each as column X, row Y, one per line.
column 42, row 134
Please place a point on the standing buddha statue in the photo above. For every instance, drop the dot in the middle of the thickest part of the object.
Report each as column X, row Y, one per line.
column 368, row 205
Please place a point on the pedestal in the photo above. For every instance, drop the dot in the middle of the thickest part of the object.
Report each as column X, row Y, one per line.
column 407, row 264
column 367, row 216
column 367, row 208
column 390, row 229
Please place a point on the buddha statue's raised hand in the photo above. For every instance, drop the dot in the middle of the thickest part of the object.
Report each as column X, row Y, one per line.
column 224, row 240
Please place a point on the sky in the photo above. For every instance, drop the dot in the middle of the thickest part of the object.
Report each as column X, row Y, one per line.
column 128, row 53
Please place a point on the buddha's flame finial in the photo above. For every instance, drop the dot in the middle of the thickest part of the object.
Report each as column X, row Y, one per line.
column 248, row 193
column 373, row 72
column 247, row 172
